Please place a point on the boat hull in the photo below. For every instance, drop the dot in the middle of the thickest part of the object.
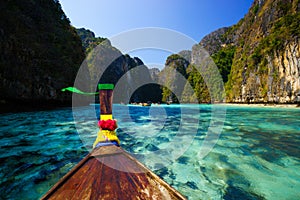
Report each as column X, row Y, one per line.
column 111, row 173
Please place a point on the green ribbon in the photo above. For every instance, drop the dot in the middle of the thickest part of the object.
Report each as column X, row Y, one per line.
column 107, row 86
column 75, row 90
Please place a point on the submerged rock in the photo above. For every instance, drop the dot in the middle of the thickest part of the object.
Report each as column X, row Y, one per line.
column 152, row 147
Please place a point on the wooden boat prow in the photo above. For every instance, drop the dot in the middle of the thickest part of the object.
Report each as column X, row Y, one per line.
column 111, row 173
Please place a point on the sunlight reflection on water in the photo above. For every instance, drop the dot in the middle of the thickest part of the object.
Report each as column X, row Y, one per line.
column 256, row 157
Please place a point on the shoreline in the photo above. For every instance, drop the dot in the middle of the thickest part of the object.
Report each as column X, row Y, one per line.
column 267, row 105
column 25, row 106
column 17, row 106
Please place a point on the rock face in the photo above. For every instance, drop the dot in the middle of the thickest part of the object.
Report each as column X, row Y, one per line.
column 154, row 73
column 285, row 87
column 89, row 40
column 173, row 77
column 106, row 64
column 40, row 52
column 258, row 59
column 266, row 60
column 186, row 54
column 214, row 41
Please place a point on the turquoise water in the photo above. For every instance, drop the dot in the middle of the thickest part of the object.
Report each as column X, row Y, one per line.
column 256, row 156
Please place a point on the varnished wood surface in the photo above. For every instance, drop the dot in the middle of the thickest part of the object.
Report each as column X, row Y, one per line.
column 111, row 173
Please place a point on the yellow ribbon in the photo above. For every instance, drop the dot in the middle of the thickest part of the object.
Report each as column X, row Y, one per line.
column 105, row 136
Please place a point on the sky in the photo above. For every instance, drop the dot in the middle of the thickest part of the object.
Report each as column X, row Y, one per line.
column 193, row 18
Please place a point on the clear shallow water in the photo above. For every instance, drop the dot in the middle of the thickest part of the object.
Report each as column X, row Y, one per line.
column 256, row 156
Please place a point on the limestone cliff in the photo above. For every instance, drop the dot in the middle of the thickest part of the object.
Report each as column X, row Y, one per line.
column 258, row 58
column 154, row 73
column 173, row 77
column 40, row 52
column 107, row 64
column 262, row 53
column 266, row 64
column 214, row 41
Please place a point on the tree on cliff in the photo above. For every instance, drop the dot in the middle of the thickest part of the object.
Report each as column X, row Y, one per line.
column 258, row 58
column 40, row 51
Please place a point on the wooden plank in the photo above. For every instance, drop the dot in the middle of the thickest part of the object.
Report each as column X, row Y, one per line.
column 108, row 150
column 111, row 173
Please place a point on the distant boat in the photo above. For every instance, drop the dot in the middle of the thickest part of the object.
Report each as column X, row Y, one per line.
column 169, row 101
column 147, row 104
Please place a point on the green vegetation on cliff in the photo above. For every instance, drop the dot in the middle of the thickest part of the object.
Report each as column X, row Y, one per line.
column 200, row 91
column 223, row 59
column 173, row 76
column 264, row 67
column 40, row 51
column 283, row 31
column 106, row 64
column 258, row 58
column 89, row 41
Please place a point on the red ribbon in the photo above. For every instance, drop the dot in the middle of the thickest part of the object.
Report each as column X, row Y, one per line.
column 109, row 124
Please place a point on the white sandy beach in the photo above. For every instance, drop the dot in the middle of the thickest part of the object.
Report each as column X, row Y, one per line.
column 264, row 105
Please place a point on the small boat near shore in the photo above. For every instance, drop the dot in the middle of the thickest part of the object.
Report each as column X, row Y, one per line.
column 148, row 103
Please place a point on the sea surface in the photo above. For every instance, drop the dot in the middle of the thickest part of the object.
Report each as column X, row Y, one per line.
column 204, row 151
